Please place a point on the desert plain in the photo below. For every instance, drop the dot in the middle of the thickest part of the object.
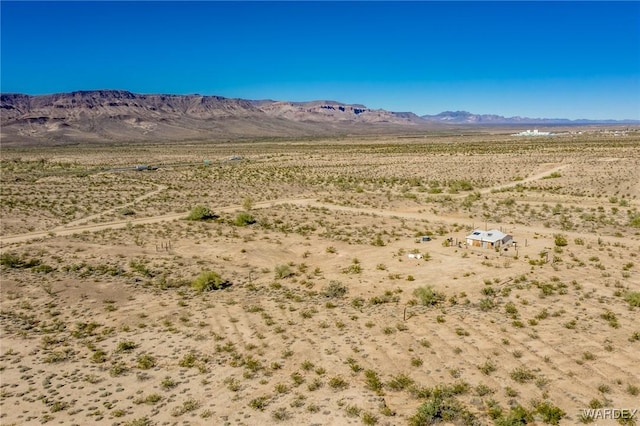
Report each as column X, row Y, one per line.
column 270, row 282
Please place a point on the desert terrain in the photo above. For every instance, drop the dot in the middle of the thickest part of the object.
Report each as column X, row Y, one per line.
column 270, row 282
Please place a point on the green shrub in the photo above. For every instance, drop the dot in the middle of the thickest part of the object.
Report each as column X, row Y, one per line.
column 208, row 281
column 283, row 271
column 522, row 375
column 13, row 260
column 400, row 382
column 550, row 413
column 338, row 383
column 373, row 381
column 335, row 289
column 99, row 356
column 244, row 219
column 633, row 298
column 201, row 212
column 442, row 410
column 488, row 367
column 486, row 304
column 126, row 346
column 428, row 296
column 560, row 240
column 146, row 361
column 517, row 416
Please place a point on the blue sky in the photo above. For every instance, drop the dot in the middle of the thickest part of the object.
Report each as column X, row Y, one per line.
column 535, row 59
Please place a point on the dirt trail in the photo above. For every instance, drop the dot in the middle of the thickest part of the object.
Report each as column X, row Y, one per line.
column 86, row 220
column 525, row 180
column 69, row 230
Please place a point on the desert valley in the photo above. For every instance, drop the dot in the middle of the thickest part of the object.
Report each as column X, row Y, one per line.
column 279, row 281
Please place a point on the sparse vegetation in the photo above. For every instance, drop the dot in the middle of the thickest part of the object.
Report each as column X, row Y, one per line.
column 109, row 312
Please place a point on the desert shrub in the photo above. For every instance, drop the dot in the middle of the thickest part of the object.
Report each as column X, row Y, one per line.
column 442, row 410
column 281, row 414
column 15, row 261
column 633, row 298
column 550, row 413
column 610, row 317
column 338, row 383
column 486, row 304
column 354, row 268
column 488, row 367
column 126, row 346
column 187, row 406
column 378, row 241
column 369, row 419
column 208, row 281
column 560, row 240
column 428, row 296
column 335, row 289
column 85, row 329
column 146, row 361
column 373, row 381
column 168, row 383
column 142, row 421
column 283, row 271
column 553, row 175
column 201, row 212
column 99, row 356
column 387, row 297
column 522, row 375
column 259, row 403
column 244, row 219
column 518, row 415
column 459, row 185
column 400, row 382
column 126, row 211
column 357, row 302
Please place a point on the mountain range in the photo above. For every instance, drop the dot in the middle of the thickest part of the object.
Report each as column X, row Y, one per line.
column 122, row 116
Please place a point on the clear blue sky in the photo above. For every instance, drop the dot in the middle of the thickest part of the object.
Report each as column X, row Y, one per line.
column 535, row 59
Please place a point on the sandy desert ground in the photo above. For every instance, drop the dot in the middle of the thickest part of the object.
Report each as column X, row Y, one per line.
column 322, row 317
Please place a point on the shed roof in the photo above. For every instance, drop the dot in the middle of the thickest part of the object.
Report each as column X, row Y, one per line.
column 491, row 235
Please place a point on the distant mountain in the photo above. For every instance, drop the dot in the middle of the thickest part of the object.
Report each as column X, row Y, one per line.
column 464, row 117
column 121, row 116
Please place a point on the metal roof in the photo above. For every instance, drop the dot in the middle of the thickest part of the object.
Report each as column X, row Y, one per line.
column 491, row 235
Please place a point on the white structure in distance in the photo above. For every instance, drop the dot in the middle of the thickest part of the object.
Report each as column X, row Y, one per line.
column 534, row 132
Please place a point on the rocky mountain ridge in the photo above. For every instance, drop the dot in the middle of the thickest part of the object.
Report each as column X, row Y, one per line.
column 121, row 116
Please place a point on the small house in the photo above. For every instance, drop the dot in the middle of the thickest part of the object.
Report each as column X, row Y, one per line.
column 488, row 239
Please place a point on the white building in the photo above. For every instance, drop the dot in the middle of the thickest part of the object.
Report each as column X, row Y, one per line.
column 533, row 132
column 488, row 239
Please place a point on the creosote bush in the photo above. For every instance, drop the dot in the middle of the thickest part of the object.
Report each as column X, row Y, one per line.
column 428, row 296
column 208, row 281
column 244, row 219
column 633, row 298
column 201, row 212
column 335, row 289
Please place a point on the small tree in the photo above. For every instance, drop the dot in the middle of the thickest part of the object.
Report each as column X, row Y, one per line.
column 208, row 281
